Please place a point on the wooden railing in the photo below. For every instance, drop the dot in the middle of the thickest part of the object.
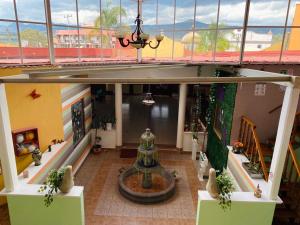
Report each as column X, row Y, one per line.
column 248, row 136
column 291, row 172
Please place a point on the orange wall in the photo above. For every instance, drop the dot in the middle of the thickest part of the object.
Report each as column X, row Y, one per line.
column 294, row 40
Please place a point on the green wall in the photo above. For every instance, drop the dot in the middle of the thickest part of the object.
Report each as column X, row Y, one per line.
column 241, row 213
column 223, row 96
column 30, row 210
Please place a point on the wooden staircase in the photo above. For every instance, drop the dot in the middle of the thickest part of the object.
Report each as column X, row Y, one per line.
column 289, row 211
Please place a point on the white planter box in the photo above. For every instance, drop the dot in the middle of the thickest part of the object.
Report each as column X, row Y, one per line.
column 188, row 141
column 108, row 138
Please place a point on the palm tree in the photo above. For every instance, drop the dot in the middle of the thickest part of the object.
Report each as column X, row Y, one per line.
column 109, row 18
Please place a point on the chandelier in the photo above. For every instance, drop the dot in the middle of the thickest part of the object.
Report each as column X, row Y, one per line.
column 139, row 39
column 148, row 100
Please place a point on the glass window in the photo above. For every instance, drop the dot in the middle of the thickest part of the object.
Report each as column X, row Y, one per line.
column 129, row 12
column 204, row 42
column 9, row 44
column 206, row 13
column 88, row 12
column 232, row 13
column 228, row 45
column 90, row 45
column 291, row 48
column 164, row 51
column 34, row 43
column 294, row 13
column 63, row 12
column 184, row 19
column 183, row 45
column 165, row 13
column 65, row 44
column 263, row 44
column 8, row 13
column 110, row 14
column 31, row 10
column 267, row 13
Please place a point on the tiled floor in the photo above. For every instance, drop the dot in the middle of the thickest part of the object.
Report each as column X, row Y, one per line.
column 94, row 174
column 100, row 171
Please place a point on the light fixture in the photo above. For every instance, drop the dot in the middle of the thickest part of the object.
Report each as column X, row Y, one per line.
column 139, row 39
column 148, row 100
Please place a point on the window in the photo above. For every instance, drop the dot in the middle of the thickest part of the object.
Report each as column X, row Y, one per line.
column 194, row 30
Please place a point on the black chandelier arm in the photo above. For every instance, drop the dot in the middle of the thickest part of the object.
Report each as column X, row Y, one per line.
column 154, row 47
column 121, row 40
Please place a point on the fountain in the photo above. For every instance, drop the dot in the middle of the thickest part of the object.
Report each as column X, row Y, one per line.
column 147, row 181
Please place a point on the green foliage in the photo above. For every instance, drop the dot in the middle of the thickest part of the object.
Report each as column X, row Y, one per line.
column 225, row 187
column 34, row 38
column 109, row 17
column 207, row 39
column 52, row 184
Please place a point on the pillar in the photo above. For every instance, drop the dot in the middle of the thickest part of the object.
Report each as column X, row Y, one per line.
column 286, row 122
column 7, row 154
column 118, row 110
column 181, row 114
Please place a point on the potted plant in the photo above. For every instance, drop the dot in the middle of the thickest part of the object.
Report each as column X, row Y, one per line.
column 220, row 187
column 110, row 122
column 57, row 180
column 238, row 147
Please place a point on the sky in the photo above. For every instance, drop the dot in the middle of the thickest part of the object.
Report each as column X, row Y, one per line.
column 262, row 12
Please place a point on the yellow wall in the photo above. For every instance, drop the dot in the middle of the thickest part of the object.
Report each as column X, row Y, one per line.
column 294, row 40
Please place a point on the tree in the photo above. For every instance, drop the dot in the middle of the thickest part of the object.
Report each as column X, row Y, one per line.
column 206, row 40
column 108, row 18
column 34, row 38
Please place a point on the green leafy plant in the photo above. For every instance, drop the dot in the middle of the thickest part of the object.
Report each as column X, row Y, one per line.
column 225, row 187
column 52, row 184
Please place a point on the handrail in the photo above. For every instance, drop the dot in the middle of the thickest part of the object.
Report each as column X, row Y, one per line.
column 260, row 155
column 294, row 159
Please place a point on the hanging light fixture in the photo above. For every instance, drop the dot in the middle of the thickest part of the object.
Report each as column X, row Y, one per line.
column 139, row 39
column 148, row 100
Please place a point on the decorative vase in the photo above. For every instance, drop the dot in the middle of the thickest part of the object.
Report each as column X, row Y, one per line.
column 68, row 181
column 195, row 147
column 108, row 126
column 211, row 185
column 36, row 156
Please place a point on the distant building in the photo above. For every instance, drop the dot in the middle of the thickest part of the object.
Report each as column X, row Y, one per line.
column 254, row 41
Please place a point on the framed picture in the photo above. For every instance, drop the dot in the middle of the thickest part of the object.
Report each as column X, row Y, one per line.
column 77, row 112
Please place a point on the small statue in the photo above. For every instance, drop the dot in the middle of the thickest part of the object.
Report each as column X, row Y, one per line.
column 257, row 192
column 147, row 139
column 211, row 185
column 37, row 156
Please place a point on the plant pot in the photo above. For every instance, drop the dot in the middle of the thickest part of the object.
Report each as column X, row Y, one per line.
column 108, row 126
column 68, row 181
column 97, row 148
column 195, row 147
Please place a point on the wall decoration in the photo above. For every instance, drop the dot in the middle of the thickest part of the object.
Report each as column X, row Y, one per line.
column 34, row 94
column 78, row 126
column 25, row 140
column 260, row 90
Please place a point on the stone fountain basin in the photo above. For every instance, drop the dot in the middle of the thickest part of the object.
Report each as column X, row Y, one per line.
column 147, row 198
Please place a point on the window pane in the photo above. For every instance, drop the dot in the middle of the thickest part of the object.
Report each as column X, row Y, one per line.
column 228, row 45
column 232, row 13
column 90, row 45
column 291, row 50
column 88, row 12
column 204, row 42
column 31, row 10
column 206, row 13
column 184, row 15
column 183, row 45
column 65, row 44
column 8, row 13
column 9, row 45
column 34, row 43
column 165, row 13
column 110, row 14
column 149, row 13
column 294, row 13
column 268, row 13
column 164, row 51
column 63, row 12
column 263, row 44
column 129, row 12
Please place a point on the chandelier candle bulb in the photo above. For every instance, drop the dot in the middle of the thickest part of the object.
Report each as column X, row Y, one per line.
column 159, row 37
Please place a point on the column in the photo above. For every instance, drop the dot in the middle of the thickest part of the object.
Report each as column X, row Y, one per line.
column 7, row 154
column 284, row 130
column 181, row 114
column 118, row 109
